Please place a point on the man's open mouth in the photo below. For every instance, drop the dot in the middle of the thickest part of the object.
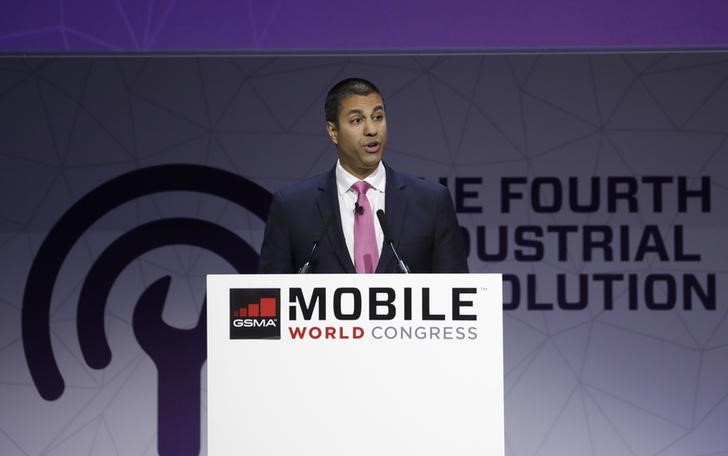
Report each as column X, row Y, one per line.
column 372, row 146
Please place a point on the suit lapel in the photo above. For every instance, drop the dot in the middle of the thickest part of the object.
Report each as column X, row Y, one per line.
column 396, row 208
column 328, row 202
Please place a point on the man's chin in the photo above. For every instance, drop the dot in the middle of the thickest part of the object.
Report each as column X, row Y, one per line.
column 366, row 168
column 371, row 165
column 372, row 158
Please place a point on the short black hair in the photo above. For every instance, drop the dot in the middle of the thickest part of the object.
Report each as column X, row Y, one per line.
column 344, row 89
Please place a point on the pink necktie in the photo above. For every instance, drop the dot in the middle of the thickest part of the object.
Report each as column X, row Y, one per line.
column 366, row 254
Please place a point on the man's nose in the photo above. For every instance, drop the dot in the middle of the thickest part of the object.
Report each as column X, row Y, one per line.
column 370, row 129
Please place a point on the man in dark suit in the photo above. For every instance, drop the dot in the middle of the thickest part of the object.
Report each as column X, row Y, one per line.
column 336, row 210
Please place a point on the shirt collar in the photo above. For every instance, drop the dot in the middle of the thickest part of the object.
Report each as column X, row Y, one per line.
column 377, row 180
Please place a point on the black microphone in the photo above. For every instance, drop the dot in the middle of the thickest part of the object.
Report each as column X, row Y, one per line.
column 306, row 268
column 388, row 240
column 358, row 210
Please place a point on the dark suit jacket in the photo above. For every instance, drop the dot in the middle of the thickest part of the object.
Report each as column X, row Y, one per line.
column 420, row 215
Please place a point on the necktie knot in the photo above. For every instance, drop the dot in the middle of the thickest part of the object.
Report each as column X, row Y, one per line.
column 361, row 187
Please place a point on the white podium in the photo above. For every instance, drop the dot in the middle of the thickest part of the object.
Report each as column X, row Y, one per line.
column 355, row 364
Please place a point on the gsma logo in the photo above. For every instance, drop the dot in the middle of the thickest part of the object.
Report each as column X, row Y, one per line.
column 255, row 313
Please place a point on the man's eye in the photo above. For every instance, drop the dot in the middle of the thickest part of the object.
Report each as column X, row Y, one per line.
column 379, row 117
column 356, row 120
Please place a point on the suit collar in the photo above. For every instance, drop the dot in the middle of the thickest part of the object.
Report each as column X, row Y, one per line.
column 328, row 203
column 396, row 204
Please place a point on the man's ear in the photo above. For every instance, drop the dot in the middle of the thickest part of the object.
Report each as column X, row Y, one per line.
column 333, row 132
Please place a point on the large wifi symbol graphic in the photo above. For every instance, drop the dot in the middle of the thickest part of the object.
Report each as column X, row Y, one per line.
column 177, row 353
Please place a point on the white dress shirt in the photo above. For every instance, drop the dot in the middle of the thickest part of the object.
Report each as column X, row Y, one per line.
column 347, row 197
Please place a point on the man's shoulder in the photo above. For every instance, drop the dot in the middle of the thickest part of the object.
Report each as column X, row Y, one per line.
column 415, row 184
column 304, row 188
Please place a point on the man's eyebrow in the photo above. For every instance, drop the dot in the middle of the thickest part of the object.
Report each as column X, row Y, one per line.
column 361, row 112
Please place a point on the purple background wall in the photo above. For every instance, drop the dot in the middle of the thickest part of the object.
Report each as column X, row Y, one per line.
column 578, row 382
column 136, row 25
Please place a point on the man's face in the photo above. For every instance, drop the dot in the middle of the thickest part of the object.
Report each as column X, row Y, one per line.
column 361, row 134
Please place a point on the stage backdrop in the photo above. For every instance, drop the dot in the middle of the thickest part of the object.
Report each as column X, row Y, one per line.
column 596, row 183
